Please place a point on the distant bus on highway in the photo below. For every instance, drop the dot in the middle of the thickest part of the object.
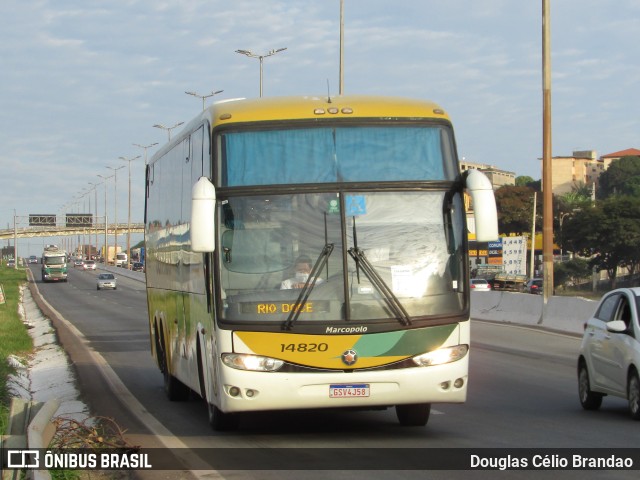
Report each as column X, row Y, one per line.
column 312, row 253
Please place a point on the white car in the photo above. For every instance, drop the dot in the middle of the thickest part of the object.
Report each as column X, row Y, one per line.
column 89, row 265
column 609, row 359
column 479, row 285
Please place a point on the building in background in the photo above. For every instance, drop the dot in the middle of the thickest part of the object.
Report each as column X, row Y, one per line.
column 583, row 169
column 497, row 176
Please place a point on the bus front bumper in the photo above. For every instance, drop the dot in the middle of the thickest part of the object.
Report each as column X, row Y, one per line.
column 255, row 391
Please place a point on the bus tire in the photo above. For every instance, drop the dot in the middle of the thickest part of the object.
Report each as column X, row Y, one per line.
column 176, row 390
column 221, row 421
column 414, row 415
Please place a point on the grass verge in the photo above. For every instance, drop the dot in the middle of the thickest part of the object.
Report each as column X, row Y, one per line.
column 14, row 339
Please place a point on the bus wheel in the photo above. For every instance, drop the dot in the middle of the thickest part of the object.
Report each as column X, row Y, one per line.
column 176, row 390
column 221, row 421
column 416, row 415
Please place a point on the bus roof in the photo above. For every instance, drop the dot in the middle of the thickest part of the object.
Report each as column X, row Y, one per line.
column 265, row 109
column 317, row 107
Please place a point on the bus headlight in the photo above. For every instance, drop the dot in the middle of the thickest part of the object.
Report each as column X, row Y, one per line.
column 441, row 356
column 254, row 363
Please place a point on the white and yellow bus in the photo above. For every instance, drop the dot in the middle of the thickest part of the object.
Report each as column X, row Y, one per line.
column 367, row 192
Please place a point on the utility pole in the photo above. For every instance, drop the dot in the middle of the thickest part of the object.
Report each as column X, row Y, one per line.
column 547, row 192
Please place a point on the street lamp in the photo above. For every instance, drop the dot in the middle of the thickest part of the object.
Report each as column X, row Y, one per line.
column 106, row 223
column 115, row 210
column 95, row 226
column 168, row 129
column 83, row 194
column 561, row 221
column 129, row 160
column 204, row 96
column 145, row 147
column 250, row 54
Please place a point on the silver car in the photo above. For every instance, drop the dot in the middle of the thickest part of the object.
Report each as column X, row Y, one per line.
column 479, row 285
column 106, row 280
column 609, row 359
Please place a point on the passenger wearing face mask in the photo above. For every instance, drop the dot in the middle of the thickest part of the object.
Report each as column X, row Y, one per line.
column 303, row 269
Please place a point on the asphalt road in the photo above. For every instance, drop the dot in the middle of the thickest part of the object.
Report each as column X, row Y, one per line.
column 522, row 394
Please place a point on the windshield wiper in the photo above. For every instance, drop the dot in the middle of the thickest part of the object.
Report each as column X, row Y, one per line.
column 305, row 291
column 378, row 282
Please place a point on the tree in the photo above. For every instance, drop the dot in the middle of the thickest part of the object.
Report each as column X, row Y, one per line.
column 621, row 178
column 523, row 181
column 515, row 209
column 572, row 271
column 607, row 233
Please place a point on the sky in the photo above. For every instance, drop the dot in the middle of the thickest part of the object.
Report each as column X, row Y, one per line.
column 82, row 81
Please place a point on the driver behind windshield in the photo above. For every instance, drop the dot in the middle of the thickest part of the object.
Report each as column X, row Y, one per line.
column 302, row 271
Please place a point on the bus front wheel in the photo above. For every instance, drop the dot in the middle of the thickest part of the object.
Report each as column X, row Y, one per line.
column 415, row 415
column 221, row 421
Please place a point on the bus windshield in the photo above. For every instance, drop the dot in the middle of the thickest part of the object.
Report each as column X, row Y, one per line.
column 383, row 255
column 337, row 154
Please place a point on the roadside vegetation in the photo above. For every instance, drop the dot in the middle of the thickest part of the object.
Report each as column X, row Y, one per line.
column 14, row 339
column 601, row 233
column 94, row 433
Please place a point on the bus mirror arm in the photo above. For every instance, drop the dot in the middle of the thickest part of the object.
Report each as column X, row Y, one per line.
column 203, row 209
column 484, row 205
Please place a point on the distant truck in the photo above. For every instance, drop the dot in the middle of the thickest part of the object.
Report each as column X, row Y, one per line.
column 109, row 257
column 54, row 264
column 509, row 282
column 137, row 254
column 121, row 260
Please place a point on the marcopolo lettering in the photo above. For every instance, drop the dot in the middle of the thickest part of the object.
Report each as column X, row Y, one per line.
column 358, row 329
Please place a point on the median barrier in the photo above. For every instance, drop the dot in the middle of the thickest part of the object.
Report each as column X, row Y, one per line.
column 567, row 314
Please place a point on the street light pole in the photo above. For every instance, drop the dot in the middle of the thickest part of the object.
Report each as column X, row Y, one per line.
column 115, row 210
column 203, row 97
column 15, row 241
column 145, row 148
column 95, row 226
column 561, row 221
column 129, row 160
column 250, row 54
column 106, row 223
column 168, row 129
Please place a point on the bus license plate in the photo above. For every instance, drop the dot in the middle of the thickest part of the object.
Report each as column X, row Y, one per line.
column 349, row 391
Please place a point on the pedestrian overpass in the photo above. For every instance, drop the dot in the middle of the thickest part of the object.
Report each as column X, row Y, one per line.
column 65, row 231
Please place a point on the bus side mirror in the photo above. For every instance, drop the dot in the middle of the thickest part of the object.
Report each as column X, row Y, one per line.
column 484, row 205
column 203, row 209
